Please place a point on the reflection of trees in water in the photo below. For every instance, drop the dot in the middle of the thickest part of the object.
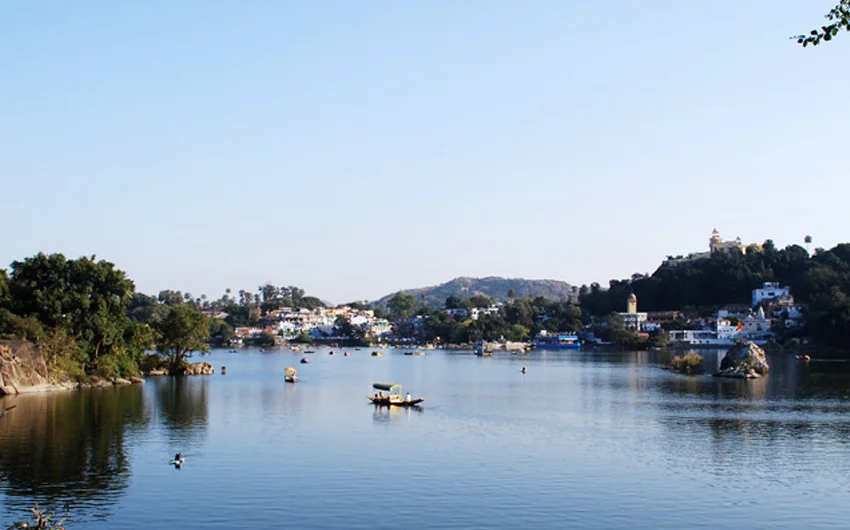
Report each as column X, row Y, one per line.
column 68, row 447
column 183, row 406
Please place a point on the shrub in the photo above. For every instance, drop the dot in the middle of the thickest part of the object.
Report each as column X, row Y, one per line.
column 107, row 366
column 65, row 368
column 690, row 364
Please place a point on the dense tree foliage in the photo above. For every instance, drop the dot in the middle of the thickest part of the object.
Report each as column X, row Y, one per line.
column 183, row 331
column 838, row 18
column 80, row 303
column 402, row 305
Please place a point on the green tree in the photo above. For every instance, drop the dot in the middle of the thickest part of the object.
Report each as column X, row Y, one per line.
column 453, row 302
column 169, row 297
column 479, row 300
column 5, row 298
column 88, row 298
column 184, row 330
column 402, row 305
column 839, row 19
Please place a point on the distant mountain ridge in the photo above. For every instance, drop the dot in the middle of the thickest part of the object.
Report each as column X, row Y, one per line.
column 493, row 286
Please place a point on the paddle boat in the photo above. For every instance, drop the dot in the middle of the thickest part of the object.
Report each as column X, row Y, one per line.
column 377, row 354
column 290, row 375
column 393, row 396
column 305, row 360
column 309, row 351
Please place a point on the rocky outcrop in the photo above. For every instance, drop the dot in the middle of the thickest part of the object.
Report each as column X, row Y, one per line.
column 201, row 368
column 158, row 371
column 745, row 360
column 23, row 370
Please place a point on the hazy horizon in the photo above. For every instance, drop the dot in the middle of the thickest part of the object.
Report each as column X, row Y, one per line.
column 355, row 150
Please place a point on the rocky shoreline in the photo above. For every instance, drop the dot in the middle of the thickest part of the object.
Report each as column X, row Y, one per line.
column 23, row 370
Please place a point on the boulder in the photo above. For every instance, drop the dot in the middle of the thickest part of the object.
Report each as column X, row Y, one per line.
column 136, row 380
column 158, row 371
column 99, row 382
column 23, row 369
column 745, row 360
column 120, row 381
column 200, row 368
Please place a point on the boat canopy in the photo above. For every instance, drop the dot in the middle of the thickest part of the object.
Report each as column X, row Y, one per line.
column 387, row 387
column 291, row 370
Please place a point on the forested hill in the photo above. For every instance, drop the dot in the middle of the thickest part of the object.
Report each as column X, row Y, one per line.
column 821, row 282
column 492, row 286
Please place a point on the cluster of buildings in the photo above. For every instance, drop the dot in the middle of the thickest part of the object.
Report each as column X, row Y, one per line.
column 772, row 306
column 473, row 312
column 320, row 323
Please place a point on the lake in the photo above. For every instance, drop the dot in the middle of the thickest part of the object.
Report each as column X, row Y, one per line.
column 583, row 440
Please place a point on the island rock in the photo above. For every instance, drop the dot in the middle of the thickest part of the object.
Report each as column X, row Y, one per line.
column 201, row 368
column 745, row 360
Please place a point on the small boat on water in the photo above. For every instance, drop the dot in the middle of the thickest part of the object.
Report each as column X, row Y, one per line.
column 290, row 375
column 305, row 360
column 309, row 351
column 346, row 354
column 393, row 396
column 377, row 354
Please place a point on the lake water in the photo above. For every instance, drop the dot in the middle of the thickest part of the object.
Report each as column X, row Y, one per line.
column 583, row 440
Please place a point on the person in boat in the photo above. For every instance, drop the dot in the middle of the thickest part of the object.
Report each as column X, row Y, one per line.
column 407, row 398
column 377, row 398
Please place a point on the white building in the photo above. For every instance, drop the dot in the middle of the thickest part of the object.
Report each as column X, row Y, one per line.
column 475, row 312
column 771, row 292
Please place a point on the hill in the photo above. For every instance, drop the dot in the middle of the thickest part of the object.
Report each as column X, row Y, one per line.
column 492, row 286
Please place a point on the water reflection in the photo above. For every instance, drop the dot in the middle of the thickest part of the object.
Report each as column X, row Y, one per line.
column 68, row 447
column 183, row 406
column 392, row 415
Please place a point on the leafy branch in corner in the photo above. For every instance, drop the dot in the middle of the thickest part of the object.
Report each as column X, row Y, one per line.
column 839, row 18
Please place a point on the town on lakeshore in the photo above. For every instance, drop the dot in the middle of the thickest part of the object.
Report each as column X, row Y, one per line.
column 90, row 322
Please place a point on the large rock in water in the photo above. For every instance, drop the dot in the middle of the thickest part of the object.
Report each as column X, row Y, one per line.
column 201, row 368
column 745, row 360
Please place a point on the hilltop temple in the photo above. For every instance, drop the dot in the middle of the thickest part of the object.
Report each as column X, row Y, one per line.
column 716, row 244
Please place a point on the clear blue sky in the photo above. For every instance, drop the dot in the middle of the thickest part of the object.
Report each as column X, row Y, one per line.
column 358, row 148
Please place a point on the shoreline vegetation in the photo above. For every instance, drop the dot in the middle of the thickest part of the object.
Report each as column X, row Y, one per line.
column 89, row 322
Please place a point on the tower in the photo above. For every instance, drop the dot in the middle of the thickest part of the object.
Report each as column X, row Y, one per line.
column 715, row 240
column 631, row 304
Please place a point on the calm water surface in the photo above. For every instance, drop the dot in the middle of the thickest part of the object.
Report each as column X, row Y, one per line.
column 583, row 440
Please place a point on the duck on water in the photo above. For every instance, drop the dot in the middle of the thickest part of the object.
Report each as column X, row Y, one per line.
column 178, row 460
